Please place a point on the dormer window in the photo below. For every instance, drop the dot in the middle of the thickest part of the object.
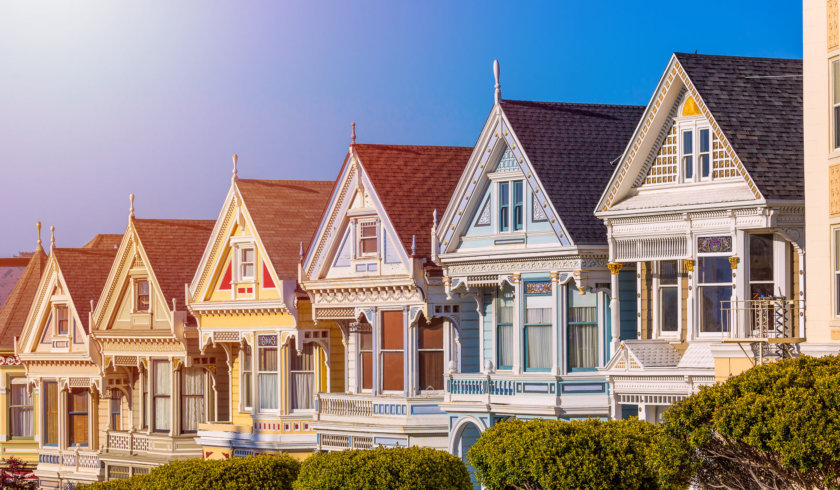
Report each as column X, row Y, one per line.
column 142, row 295
column 247, row 264
column 696, row 151
column 368, row 237
column 510, row 206
column 62, row 314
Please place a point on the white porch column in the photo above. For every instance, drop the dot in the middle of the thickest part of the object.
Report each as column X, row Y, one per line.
column 615, row 308
column 408, row 355
column 376, row 376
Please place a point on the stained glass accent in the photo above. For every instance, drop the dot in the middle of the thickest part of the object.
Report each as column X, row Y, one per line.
column 714, row 244
column 538, row 287
column 267, row 340
column 537, row 211
column 484, row 216
column 690, row 108
column 507, row 162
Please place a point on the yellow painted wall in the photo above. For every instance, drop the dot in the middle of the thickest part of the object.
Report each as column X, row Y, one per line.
column 728, row 367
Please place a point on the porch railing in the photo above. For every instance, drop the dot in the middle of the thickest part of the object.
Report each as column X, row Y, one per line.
column 71, row 458
column 771, row 326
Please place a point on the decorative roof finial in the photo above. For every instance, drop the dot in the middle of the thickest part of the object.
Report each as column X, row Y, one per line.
column 38, row 227
column 235, row 170
column 52, row 237
column 131, row 206
column 498, row 86
column 353, row 134
column 413, row 244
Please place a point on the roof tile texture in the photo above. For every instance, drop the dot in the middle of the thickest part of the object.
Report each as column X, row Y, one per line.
column 85, row 271
column 16, row 307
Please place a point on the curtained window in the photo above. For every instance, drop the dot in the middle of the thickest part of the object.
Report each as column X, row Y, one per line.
column 77, row 418
column 366, row 358
column 162, row 396
column 247, row 263
column 715, row 287
column 146, row 414
column 430, row 354
column 392, row 355
column 504, row 327
column 192, row 399
column 538, row 325
column 51, row 413
column 268, row 373
column 116, row 410
column 142, row 300
column 837, row 269
column 761, row 266
column 247, row 378
column 302, row 373
column 669, row 301
column 20, row 408
column 583, row 330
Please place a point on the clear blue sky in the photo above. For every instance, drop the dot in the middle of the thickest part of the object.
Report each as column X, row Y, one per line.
column 101, row 99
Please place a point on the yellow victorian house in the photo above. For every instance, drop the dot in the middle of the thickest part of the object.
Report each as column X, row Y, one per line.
column 17, row 412
column 157, row 385
column 247, row 301
column 62, row 363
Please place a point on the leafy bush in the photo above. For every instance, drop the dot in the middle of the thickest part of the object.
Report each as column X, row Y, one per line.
column 393, row 468
column 773, row 426
column 543, row 454
column 262, row 471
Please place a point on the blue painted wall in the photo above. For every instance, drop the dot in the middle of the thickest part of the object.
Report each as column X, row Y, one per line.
column 627, row 296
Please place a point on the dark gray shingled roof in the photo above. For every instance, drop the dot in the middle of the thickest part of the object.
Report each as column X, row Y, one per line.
column 571, row 147
column 758, row 104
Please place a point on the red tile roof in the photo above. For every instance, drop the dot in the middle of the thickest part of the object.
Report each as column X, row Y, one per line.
column 174, row 248
column 411, row 182
column 16, row 307
column 285, row 213
column 85, row 271
column 104, row 241
column 11, row 268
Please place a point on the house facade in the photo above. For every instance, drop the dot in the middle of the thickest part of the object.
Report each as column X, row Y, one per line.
column 531, row 259
column 706, row 204
column 369, row 273
column 246, row 300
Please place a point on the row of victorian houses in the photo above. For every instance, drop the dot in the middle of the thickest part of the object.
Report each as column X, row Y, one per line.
column 580, row 260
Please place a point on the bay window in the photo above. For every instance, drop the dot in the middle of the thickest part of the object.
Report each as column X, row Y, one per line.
column 714, row 276
column 430, row 355
column 582, row 330
column 393, row 351
column 162, row 396
column 302, row 374
column 504, row 327
column 50, row 413
column 247, row 378
column 668, row 297
column 366, row 356
column 77, row 418
column 20, row 408
column 192, row 398
column 538, row 325
column 267, row 372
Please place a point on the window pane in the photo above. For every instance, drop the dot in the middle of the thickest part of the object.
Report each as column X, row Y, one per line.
column 714, row 269
column 505, row 304
column 687, row 142
column 704, row 141
column 505, row 341
column 431, row 370
column 517, row 205
column 835, row 72
column 77, row 417
column 192, row 399
column 837, row 126
column 504, row 203
column 20, row 412
column 583, row 314
column 670, row 309
column 430, row 335
column 761, row 257
column 392, row 371
column 365, row 340
column 583, row 346
column 538, row 347
column 392, row 330
column 268, row 359
column 711, row 297
column 837, row 250
column 538, row 310
column 668, row 272
column 162, row 381
column 162, row 414
column 267, row 390
column 302, row 376
column 367, row 370
column 248, row 255
column 51, row 409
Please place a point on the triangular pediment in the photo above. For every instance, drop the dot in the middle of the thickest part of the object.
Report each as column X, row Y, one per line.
column 500, row 202
column 677, row 148
column 356, row 238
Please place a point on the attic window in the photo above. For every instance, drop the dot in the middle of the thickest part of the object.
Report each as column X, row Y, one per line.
column 142, row 298
column 63, row 319
column 247, row 263
column 368, row 238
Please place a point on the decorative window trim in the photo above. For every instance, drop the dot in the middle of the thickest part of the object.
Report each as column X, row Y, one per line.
column 538, row 214
column 484, row 216
column 360, row 225
column 694, row 125
column 268, row 342
column 238, row 262
column 20, row 381
column 834, row 95
column 246, row 379
column 658, row 288
column 135, row 294
column 59, row 307
column 537, row 288
column 511, row 211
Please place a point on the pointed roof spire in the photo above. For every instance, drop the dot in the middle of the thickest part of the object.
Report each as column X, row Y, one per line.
column 498, row 86
column 413, row 244
column 52, row 238
column 38, row 227
column 131, row 206
column 235, row 176
column 353, row 134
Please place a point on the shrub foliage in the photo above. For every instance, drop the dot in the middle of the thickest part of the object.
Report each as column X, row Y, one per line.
column 394, row 468
column 773, row 426
column 544, row 454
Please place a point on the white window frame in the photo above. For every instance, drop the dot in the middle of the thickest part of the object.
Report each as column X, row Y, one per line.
column 241, row 263
column 658, row 303
column 256, row 395
column 380, row 351
column 359, row 373
column 834, row 137
column 135, row 294
column 314, row 371
column 245, row 368
column 835, row 231
column 694, row 124
column 697, row 297
column 511, row 205
column 57, row 331
column 17, row 381
column 361, row 223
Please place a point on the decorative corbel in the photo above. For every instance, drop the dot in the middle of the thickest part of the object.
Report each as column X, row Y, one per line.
column 414, row 313
column 733, row 262
column 688, row 265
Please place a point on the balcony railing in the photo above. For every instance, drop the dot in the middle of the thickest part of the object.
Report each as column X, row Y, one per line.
column 372, row 408
column 770, row 326
column 140, row 442
column 71, row 459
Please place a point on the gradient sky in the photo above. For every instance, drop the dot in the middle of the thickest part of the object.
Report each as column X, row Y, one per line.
column 101, row 99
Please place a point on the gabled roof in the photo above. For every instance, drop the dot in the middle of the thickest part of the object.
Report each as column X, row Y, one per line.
column 571, row 147
column 104, row 241
column 285, row 213
column 16, row 307
column 11, row 268
column 758, row 104
column 85, row 271
column 411, row 182
column 174, row 248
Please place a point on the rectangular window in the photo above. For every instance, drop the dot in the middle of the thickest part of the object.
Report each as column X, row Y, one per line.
column 538, row 327
column 51, row 413
column 268, row 373
column 146, row 412
column 392, row 351
column 77, row 418
column 761, row 266
column 504, row 206
column 430, row 355
column 518, row 209
column 368, row 238
column 704, row 155
column 162, row 396
column 583, row 330
column 837, row 271
column 247, row 378
column 116, row 410
column 688, row 155
column 366, row 356
column 142, row 300
column 302, row 373
column 669, row 301
column 192, row 399
column 835, row 101
column 20, row 408
column 247, row 263
column 504, row 327
column 63, row 316
column 714, row 276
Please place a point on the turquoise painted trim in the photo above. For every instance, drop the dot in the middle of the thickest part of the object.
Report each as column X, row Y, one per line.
column 568, row 344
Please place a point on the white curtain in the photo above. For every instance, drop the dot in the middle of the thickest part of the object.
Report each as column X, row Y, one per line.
column 192, row 399
column 506, row 345
column 163, row 392
column 302, row 387
column 583, row 341
column 21, row 411
column 539, row 346
column 267, row 379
